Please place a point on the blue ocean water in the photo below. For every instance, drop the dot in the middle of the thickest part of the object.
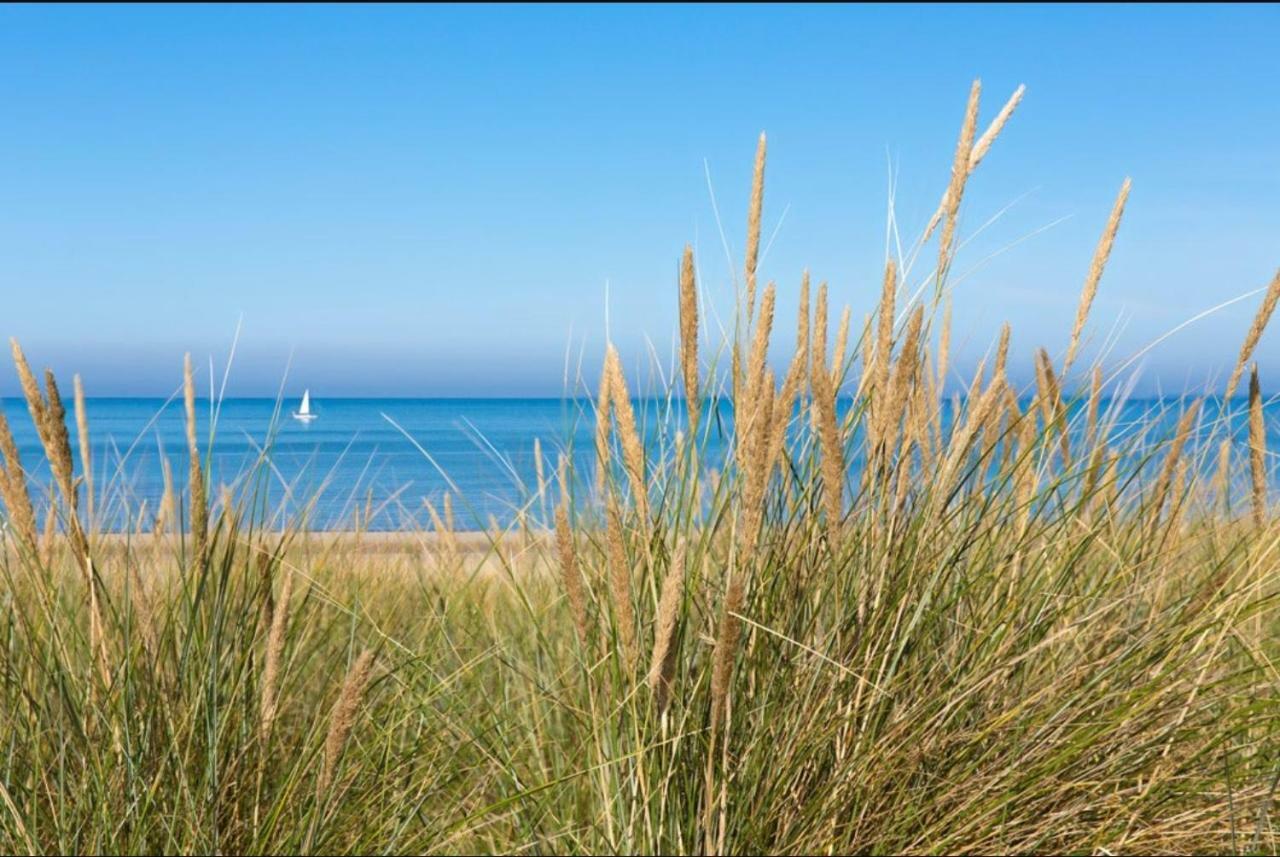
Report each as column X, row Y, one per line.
column 358, row 455
column 384, row 456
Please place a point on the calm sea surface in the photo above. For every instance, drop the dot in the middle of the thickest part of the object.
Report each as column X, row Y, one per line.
column 384, row 455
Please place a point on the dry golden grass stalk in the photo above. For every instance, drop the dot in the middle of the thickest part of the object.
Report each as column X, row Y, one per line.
column 1257, row 450
column 567, row 548
column 959, row 176
column 842, row 344
column 944, row 345
column 802, row 320
column 603, row 404
column 48, row 537
column 663, row 662
column 729, row 631
column 977, row 415
column 13, row 489
column 785, row 402
column 629, row 434
column 1093, row 471
column 1255, row 333
column 868, row 354
column 343, row 717
column 50, row 418
column 884, row 331
column 753, row 227
column 818, row 341
column 1111, row 481
column 758, row 468
column 82, row 434
column 900, row 383
column 983, row 145
column 199, row 523
column 264, row 564
column 1026, row 472
column 752, row 411
column 1099, row 263
column 980, row 149
column 450, row 531
column 58, row 445
column 1222, row 476
column 783, row 407
column 446, row 545
column 1051, row 403
column 1095, row 400
column 30, row 387
column 168, row 508
column 689, row 338
column 1180, row 436
column 1002, row 351
column 620, row 584
column 269, row 698
column 832, row 450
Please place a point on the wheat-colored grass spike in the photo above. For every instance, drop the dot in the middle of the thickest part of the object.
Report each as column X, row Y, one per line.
column 1255, row 333
column 1100, row 256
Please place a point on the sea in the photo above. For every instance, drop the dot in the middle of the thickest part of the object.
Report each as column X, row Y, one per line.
column 377, row 463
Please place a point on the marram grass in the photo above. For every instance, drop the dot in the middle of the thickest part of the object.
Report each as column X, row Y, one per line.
column 865, row 628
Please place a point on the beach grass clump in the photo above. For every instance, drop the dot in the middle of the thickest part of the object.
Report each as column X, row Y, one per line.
column 825, row 605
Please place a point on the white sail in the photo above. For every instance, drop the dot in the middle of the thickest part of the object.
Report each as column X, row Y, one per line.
column 304, row 414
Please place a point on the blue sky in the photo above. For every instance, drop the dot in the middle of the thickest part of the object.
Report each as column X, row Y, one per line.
column 430, row 201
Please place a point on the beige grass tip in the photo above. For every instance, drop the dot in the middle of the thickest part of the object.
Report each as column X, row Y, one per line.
column 343, row 717
column 1100, row 256
column 1255, row 333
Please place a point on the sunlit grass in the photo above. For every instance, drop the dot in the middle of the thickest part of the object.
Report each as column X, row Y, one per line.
column 879, row 622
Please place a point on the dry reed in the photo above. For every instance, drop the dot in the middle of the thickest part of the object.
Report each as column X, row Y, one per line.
column 199, row 514
column 1257, row 450
column 1100, row 256
column 13, row 489
column 342, row 719
column 980, row 149
column 567, row 548
column 628, row 433
column 663, row 661
column 272, row 661
column 960, row 170
column 603, row 406
column 1255, row 333
column 620, row 585
column 689, row 338
column 753, row 227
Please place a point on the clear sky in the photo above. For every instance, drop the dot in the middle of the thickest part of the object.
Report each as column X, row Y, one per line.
column 431, row 201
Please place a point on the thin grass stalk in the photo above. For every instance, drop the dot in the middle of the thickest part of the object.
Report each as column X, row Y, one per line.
column 342, row 719
column 753, row 227
column 1257, row 451
column 199, row 505
column 86, row 458
column 662, row 663
column 13, row 488
column 980, row 149
column 269, row 694
column 1100, row 256
column 620, row 586
column 567, row 547
column 960, row 170
column 689, row 339
column 633, row 454
column 1255, row 333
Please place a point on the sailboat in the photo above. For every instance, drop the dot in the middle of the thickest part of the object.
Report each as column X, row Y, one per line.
column 304, row 414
